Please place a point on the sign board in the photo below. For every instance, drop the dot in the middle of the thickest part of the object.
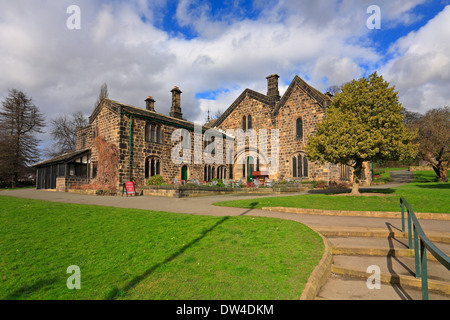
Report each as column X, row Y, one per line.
column 128, row 188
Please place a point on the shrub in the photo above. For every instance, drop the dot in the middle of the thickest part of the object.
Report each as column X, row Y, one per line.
column 220, row 183
column 155, row 180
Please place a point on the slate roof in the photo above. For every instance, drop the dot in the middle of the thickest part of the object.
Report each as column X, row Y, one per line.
column 66, row 157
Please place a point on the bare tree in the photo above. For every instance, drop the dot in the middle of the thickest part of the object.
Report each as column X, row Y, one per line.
column 334, row 90
column 434, row 139
column 63, row 131
column 20, row 121
column 411, row 118
column 102, row 95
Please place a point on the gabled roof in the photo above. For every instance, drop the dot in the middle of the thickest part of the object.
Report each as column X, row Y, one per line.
column 118, row 107
column 251, row 94
column 66, row 157
column 321, row 98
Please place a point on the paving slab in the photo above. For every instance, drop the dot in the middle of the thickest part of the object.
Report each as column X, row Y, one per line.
column 345, row 288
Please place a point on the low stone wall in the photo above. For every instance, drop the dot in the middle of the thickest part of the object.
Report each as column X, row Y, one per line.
column 63, row 184
column 191, row 191
column 94, row 192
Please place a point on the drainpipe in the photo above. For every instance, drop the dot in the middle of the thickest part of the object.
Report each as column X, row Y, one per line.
column 129, row 149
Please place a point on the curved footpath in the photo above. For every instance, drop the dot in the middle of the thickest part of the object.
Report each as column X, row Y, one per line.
column 355, row 243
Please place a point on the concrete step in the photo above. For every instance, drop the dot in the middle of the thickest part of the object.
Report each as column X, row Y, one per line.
column 340, row 287
column 377, row 246
column 393, row 266
column 333, row 231
column 355, row 249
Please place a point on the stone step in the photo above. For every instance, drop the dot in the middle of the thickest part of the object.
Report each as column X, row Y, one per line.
column 332, row 231
column 377, row 246
column 394, row 266
column 340, row 287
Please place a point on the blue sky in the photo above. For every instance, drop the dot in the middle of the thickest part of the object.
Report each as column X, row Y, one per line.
column 214, row 50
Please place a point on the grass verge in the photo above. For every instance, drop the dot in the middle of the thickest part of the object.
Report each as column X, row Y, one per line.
column 423, row 195
column 139, row 254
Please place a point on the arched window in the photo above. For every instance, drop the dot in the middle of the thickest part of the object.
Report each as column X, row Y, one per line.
column 305, row 166
column 299, row 166
column 152, row 167
column 244, row 123
column 299, row 129
column 249, row 122
column 294, row 167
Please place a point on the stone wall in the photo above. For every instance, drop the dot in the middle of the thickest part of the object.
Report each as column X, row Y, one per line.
column 63, row 184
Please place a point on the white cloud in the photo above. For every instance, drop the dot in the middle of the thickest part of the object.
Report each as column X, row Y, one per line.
column 63, row 70
column 421, row 67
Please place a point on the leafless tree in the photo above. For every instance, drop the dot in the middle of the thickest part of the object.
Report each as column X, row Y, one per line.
column 102, row 95
column 434, row 139
column 63, row 131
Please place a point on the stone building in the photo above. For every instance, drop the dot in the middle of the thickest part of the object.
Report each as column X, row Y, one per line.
column 146, row 143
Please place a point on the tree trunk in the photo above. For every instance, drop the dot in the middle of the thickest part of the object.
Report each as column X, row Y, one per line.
column 442, row 176
column 356, row 176
column 441, row 171
column 355, row 188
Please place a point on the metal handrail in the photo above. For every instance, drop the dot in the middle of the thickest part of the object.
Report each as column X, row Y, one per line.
column 425, row 244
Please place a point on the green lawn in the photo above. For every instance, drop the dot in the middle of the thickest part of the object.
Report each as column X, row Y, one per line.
column 138, row 254
column 424, row 196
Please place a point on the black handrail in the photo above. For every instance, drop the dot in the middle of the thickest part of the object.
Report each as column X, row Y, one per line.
column 425, row 244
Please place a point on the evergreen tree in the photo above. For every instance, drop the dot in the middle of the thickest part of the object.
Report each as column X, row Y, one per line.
column 363, row 123
column 20, row 121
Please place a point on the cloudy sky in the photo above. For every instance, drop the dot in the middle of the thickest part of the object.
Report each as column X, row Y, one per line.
column 213, row 50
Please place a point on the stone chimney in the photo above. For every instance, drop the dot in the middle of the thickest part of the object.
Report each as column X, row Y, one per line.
column 272, row 87
column 150, row 104
column 175, row 111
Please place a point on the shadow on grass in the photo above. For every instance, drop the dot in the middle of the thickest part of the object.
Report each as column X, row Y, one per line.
column 116, row 292
column 435, row 186
column 28, row 290
column 362, row 190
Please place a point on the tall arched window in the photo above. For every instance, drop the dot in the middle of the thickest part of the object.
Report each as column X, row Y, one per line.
column 152, row 167
column 299, row 128
column 305, row 166
column 294, row 167
column 244, row 123
column 249, row 122
column 299, row 166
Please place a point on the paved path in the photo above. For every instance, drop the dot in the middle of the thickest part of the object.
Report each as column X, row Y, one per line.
column 204, row 206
